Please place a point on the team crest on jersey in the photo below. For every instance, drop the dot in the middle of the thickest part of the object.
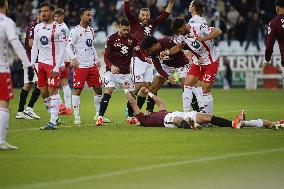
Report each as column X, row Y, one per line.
column 148, row 29
column 129, row 41
column 89, row 42
column 195, row 44
column 44, row 40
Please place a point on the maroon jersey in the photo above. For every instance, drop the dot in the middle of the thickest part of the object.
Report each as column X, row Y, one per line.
column 29, row 35
column 153, row 119
column 275, row 31
column 118, row 52
column 137, row 28
column 177, row 60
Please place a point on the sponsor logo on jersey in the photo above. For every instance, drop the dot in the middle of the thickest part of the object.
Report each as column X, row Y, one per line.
column 44, row 40
column 89, row 42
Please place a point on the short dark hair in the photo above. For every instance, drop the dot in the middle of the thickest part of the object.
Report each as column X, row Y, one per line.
column 185, row 125
column 83, row 10
column 177, row 23
column 145, row 9
column 199, row 6
column 123, row 22
column 59, row 11
column 148, row 42
column 2, row 3
column 47, row 4
column 279, row 3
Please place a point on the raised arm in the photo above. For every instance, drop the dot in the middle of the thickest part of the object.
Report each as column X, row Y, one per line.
column 127, row 11
column 158, row 101
column 170, row 6
column 132, row 101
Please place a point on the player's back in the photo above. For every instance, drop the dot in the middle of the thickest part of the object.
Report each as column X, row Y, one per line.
column 177, row 60
column 277, row 24
column 6, row 35
column 153, row 119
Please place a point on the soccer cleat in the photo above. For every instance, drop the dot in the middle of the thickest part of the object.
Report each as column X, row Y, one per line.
column 62, row 107
column 278, row 126
column 49, row 126
column 22, row 115
column 65, row 111
column 133, row 121
column 239, row 121
column 77, row 120
column 7, row 146
column 30, row 112
column 100, row 121
column 105, row 120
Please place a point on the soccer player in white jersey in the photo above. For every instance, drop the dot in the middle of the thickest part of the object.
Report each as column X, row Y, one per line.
column 8, row 35
column 65, row 109
column 84, row 58
column 199, row 39
column 49, row 48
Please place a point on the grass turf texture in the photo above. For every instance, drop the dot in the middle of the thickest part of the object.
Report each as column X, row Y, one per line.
column 122, row 156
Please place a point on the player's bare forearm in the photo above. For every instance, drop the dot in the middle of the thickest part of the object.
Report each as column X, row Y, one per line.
column 176, row 49
column 170, row 6
column 132, row 102
column 157, row 100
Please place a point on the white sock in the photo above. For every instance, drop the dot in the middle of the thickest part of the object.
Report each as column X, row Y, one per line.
column 67, row 96
column 46, row 102
column 187, row 98
column 254, row 123
column 4, row 117
column 208, row 103
column 60, row 100
column 54, row 103
column 76, row 105
column 199, row 94
column 97, row 101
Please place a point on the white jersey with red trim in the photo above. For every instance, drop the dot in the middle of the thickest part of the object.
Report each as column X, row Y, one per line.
column 80, row 45
column 46, row 40
column 67, row 57
column 207, row 49
column 7, row 34
column 197, row 19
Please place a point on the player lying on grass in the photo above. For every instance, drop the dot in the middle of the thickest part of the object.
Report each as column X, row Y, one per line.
column 186, row 120
column 277, row 125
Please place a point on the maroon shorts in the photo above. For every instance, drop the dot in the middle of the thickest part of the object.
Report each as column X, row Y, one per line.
column 205, row 73
column 6, row 87
column 44, row 79
column 90, row 75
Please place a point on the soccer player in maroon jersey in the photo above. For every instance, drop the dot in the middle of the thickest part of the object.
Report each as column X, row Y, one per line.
column 29, row 113
column 276, row 31
column 118, row 52
column 141, row 27
column 166, row 67
column 186, row 120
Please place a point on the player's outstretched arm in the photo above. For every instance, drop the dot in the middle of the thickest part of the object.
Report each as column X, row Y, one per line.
column 174, row 50
column 132, row 101
column 158, row 101
column 127, row 11
column 170, row 6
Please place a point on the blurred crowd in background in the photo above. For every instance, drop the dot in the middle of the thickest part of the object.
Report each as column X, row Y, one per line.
column 238, row 19
column 242, row 20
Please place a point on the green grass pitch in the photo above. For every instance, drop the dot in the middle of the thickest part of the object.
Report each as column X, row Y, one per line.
column 120, row 156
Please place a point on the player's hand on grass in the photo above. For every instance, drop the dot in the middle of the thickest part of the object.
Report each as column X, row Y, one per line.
column 172, row 79
column 114, row 69
column 75, row 63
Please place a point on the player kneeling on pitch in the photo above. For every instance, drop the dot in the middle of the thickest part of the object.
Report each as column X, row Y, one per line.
column 186, row 120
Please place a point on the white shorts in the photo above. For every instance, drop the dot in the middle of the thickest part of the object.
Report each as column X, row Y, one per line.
column 142, row 71
column 111, row 80
column 168, row 121
column 26, row 77
column 182, row 72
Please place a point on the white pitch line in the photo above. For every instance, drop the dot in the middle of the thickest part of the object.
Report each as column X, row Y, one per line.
column 140, row 169
column 31, row 129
